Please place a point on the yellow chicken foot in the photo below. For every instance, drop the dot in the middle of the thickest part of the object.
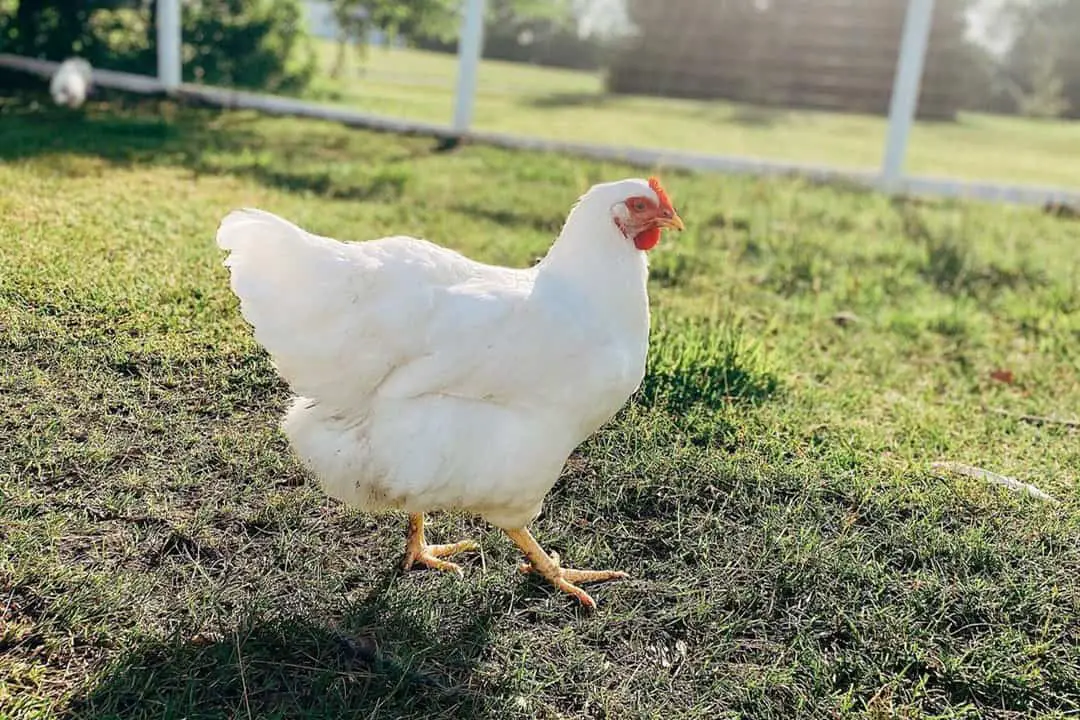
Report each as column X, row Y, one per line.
column 418, row 551
column 565, row 579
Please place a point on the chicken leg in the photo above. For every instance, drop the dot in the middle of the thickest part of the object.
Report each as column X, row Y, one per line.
column 562, row 578
column 418, row 551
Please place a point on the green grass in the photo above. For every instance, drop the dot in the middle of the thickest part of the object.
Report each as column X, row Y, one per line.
column 769, row 490
column 569, row 105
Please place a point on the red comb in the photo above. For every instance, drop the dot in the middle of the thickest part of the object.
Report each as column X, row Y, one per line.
column 654, row 184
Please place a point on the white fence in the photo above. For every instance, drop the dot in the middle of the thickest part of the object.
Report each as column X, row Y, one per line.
column 890, row 177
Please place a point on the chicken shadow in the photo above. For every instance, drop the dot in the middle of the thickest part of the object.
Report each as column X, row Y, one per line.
column 374, row 660
column 132, row 131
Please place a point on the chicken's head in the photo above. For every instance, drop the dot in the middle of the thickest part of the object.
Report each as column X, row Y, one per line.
column 644, row 213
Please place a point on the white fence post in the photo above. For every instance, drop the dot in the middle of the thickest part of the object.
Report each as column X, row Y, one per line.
column 906, row 85
column 169, row 51
column 470, row 46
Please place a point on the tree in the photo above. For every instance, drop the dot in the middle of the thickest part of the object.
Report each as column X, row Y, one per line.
column 1042, row 67
column 433, row 22
column 260, row 44
column 1046, row 99
column 395, row 18
column 55, row 28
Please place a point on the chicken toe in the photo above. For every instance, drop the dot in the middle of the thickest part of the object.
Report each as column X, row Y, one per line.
column 418, row 551
column 549, row 566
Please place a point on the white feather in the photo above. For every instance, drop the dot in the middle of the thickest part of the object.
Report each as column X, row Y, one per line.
column 426, row 380
column 71, row 82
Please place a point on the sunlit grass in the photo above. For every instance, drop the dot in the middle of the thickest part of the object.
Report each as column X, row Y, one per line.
column 769, row 489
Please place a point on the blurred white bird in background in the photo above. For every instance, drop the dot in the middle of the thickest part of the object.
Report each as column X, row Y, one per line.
column 71, row 83
column 427, row 381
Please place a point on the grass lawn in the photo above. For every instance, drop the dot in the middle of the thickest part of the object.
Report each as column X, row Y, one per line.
column 569, row 105
column 792, row 552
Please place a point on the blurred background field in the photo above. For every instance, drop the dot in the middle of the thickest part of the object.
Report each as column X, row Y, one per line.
column 572, row 105
column 785, row 81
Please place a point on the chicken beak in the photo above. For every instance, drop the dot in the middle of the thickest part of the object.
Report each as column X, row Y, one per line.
column 671, row 223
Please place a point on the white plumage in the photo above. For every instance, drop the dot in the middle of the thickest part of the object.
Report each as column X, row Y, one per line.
column 71, row 82
column 425, row 380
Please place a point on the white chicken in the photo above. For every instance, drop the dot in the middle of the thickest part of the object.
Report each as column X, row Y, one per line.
column 427, row 381
column 70, row 83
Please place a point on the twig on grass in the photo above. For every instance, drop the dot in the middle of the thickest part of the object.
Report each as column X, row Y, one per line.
column 1037, row 419
column 243, row 679
column 992, row 477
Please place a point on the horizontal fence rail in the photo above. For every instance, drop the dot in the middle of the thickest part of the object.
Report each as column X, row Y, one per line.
column 647, row 158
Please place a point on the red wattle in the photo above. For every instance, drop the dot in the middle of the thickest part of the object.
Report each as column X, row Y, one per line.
column 648, row 239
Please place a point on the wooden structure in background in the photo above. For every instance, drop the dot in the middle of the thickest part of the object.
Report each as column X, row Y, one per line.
column 823, row 54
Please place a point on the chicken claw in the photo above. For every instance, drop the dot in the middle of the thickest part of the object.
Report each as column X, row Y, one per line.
column 565, row 579
column 418, row 551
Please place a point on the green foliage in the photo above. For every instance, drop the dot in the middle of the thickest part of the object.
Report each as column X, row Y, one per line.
column 55, row 29
column 258, row 44
column 438, row 19
column 396, row 18
column 535, row 31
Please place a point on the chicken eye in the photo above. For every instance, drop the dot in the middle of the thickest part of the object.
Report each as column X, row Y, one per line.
column 637, row 205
